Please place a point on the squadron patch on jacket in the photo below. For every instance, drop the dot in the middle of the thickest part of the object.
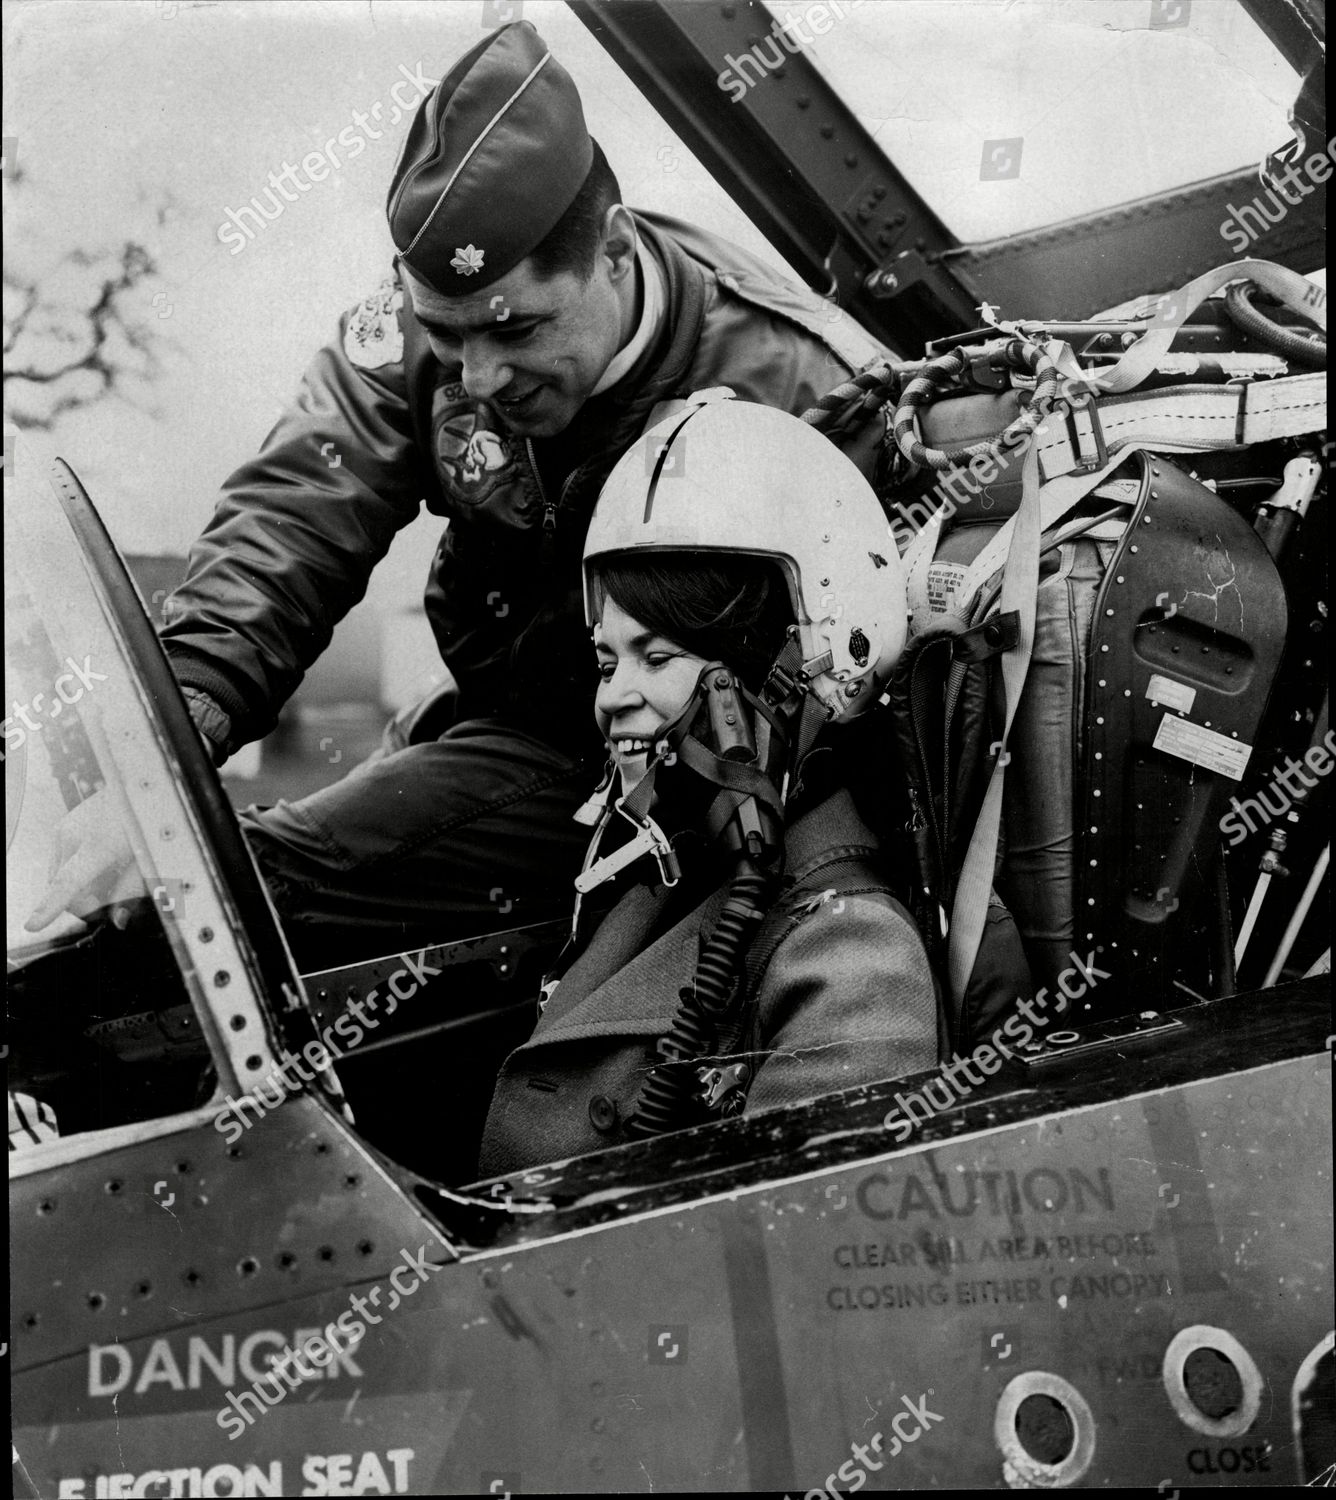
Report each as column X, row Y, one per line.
column 477, row 461
column 373, row 337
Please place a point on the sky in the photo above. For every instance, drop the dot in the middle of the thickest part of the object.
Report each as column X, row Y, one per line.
column 149, row 119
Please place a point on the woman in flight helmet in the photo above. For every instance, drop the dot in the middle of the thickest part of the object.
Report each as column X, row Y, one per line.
column 735, row 943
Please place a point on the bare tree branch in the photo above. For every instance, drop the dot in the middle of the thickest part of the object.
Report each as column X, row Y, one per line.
column 64, row 350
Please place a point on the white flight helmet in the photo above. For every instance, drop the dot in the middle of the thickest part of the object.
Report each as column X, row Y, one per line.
column 723, row 475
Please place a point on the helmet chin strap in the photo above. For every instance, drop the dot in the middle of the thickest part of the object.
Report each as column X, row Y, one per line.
column 750, row 747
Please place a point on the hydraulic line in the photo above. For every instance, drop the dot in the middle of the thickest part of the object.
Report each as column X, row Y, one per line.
column 1226, row 971
column 1270, row 864
column 1297, row 920
column 1287, row 506
column 1308, row 349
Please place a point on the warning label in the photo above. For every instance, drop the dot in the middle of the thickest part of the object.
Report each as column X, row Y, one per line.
column 1202, row 746
column 944, row 580
column 1172, row 694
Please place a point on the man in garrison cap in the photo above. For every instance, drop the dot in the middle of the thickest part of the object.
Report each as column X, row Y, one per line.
column 530, row 327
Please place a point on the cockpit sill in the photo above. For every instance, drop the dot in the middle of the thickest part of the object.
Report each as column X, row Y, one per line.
column 1241, row 1035
column 715, row 1162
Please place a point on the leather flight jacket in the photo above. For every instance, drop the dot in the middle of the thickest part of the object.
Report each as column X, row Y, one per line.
column 380, row 427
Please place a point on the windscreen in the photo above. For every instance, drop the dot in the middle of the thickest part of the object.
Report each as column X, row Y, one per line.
column 110, row 898
column 1008, row 115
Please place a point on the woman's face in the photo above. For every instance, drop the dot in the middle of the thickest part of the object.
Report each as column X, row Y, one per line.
column 645, row 682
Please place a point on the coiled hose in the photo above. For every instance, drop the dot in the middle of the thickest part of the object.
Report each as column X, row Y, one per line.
column 852, row 401
column 1308, row 349
column 665, row 1101
column 923, row 389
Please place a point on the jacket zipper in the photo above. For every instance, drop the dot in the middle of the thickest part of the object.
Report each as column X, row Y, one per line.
column 549, row 509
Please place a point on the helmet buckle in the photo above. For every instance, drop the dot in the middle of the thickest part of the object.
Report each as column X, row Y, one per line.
column 649, row 839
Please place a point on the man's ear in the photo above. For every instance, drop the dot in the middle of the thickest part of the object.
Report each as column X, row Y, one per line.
column 619, row 241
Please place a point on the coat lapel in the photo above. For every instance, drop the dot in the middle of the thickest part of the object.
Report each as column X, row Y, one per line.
column 620, row 987
column 613, row 989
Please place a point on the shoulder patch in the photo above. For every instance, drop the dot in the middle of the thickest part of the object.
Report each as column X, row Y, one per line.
column 373, row 337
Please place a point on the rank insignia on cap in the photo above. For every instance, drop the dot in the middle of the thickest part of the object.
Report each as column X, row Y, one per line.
column 373, row 337
column 496, row 153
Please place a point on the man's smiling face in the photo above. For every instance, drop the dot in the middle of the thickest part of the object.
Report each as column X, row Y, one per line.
column 534, row 347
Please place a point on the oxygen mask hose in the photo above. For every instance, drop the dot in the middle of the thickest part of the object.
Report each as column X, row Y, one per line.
column 669, row 1098
column 668, row 1093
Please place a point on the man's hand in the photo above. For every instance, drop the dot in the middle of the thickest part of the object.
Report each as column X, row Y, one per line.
column 92, row 864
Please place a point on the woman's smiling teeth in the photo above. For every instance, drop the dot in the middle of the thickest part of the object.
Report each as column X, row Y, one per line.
column 626, row 745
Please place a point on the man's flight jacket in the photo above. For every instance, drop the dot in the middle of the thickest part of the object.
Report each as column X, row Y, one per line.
column 380, row 427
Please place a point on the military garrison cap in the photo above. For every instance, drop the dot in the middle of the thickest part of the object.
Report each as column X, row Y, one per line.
column 494, row 157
